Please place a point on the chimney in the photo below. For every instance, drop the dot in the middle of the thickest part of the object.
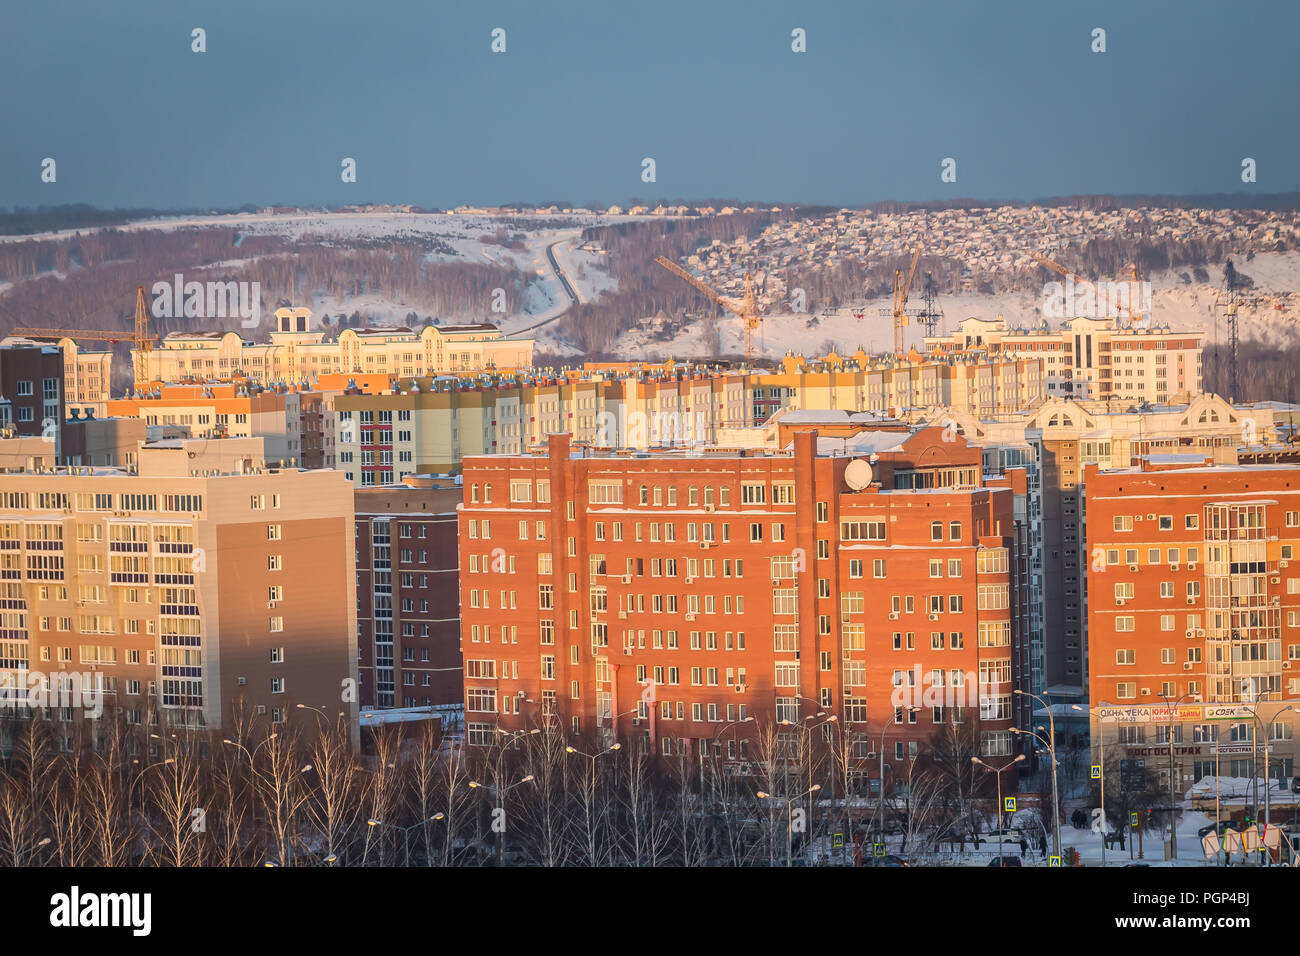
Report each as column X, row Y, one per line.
column 557, row 446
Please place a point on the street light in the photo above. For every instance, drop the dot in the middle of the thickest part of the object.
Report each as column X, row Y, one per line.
column 880, row 825
column 406, row 833
column 789, row 819
column 1051, row 749
column 1050, row 744
column 1268, row 783
column 501, row 800
column 609, row 749
column 1173, row 815
column 1101, row 768
column 1001, row 829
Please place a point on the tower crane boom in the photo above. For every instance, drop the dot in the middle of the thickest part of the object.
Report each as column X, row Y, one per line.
column 745, row 309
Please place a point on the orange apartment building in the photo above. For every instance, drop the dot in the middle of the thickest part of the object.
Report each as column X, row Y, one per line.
column 1194, row 614
column 191, row 590
column 661, row 598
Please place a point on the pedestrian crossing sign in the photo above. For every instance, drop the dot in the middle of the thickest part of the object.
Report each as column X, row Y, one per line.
column 1009, row 804
column 1096, row 771
column 1053, row 861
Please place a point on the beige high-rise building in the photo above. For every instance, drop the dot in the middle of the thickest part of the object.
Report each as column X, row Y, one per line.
column 194, row 590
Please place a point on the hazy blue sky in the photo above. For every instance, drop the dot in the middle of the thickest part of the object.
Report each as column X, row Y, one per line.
column 709, row 89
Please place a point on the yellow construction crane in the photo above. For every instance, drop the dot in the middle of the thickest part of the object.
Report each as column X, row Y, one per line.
column 745, row 309
column 1135, row 288
column 903, row 289
column 140, row 340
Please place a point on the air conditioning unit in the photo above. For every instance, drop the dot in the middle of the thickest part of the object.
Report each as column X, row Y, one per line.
column 1274, row 580
column 708, row 509
column 690, row 617
column 1187, row 665
column 1146, row 691
column 776, row 582
column 705, row 545
column 740, row 688
column 934, row 617
column 893, row 615
column 1133, row 568
column 627, row 579
column 690, row 580
column 622, row 615
column 1286, row 665
column 1191, row 600
column 1190, row 634
column 1151, row 517
column 1120, row 602
column 1283, row 564
column 1191, row 565
column 1173, row 567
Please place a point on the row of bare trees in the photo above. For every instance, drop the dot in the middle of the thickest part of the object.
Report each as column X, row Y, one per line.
column 300, row 794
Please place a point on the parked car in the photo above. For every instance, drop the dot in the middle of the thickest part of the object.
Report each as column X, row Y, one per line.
column 1009, row 835
column 1003, row 861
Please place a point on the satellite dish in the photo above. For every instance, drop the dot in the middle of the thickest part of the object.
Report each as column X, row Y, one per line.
column 858, row 474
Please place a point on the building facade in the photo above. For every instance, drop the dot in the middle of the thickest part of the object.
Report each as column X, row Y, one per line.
column 408, row 597
column 664, row 598
column 1090, row 358
column 296, row 353
column 1194, row 615
column 194, row 591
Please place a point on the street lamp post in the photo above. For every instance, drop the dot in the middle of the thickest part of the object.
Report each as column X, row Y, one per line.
column 1051, row 750
column 1002, row 834
column 789, row 819
column 406, row 832
column 1173, row 813
column 1260, row 724
column 880, row 824
column 1101, row 774
column 500, row 793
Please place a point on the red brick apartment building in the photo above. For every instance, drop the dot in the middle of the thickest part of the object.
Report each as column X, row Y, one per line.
column 408, row 619
column 1194, row 613
column 661, row 597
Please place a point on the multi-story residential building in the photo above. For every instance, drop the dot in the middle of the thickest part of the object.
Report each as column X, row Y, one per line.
column 31, row 391
column 193, row 590
column 408, row 596
column 87, row 372
column 1091, row 358
column 1063, row 436
column 442, row 420
column 295, row 352
column 982, row 384
column 663, row 597
column 281, row 416
column 1194, row 615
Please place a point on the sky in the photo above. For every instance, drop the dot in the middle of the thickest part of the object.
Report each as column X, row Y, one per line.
column 711, row 90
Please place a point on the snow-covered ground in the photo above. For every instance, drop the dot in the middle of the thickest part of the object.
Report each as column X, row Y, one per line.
column 449, row 237
column 1173, row 303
